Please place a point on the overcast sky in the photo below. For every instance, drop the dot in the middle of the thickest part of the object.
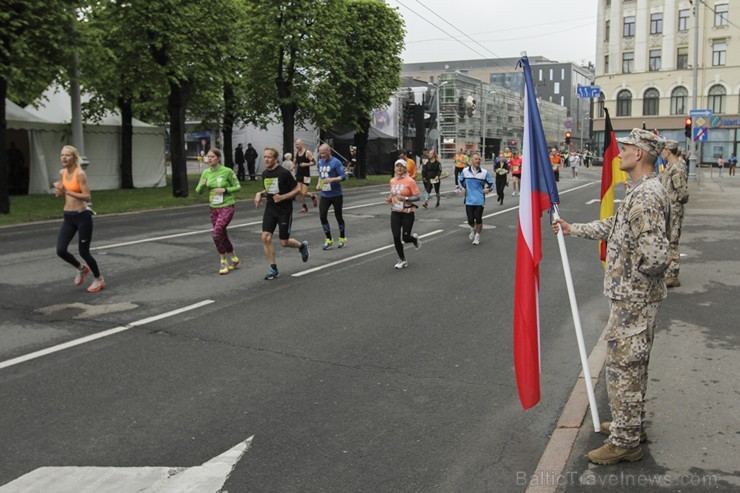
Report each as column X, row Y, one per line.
column 561, row 30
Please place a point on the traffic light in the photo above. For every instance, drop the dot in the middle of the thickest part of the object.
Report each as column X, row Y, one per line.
column 567, row 138
column 687, row 127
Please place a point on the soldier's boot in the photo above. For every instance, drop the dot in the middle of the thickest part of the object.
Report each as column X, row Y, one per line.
column 609, row 454
column 605, row 431
column 672, row 282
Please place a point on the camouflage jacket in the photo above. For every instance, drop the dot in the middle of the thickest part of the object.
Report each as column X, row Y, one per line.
column 675, row 180
column 637, row 246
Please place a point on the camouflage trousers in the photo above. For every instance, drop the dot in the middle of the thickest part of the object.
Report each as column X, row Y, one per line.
column 627, row 358
column 673, row 253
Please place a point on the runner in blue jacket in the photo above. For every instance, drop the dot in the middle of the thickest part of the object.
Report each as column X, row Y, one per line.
column 475, row 183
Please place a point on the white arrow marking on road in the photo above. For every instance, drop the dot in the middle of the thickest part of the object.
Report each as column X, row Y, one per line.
column 99, row 335
column 332, row 264
column 206, row 478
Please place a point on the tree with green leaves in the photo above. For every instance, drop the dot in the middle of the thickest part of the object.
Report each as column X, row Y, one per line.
column 186, row 41
column 116, row 70
column 369, row 77
column 36, row 39
column 296, row 45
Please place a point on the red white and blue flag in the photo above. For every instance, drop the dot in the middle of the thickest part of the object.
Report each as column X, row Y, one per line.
column 539, row 193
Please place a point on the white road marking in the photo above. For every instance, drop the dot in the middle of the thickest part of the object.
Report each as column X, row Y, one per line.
column 594, row 201
column 202, row 231
column 99, row 335
column 517, row 207
column 360, row 255
column 209, row 477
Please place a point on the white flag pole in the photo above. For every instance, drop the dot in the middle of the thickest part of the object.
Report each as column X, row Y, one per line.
column 577, row 324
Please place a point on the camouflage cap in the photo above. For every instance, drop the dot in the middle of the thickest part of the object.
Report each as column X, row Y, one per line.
column 671, row 144
column 645, row 140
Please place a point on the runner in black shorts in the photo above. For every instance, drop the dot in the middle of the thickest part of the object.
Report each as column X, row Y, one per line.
column 280, row 188
column 302, row 162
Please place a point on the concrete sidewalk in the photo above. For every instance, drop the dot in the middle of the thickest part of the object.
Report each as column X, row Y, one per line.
column 693, row 406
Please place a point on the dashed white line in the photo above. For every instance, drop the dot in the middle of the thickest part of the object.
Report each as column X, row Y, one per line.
column 360, row 255
column 99, row 335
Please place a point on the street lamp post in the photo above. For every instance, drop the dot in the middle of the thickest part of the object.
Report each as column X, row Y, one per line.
column 439, row 126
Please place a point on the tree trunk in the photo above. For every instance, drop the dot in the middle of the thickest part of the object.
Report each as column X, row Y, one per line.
column 176, row 106
column 287, row 112
column 228, row 126
column 361, row 139
column 127, row 143
column 4, row 172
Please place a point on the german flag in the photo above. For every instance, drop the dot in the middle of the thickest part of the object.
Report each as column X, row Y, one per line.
column 610, row 176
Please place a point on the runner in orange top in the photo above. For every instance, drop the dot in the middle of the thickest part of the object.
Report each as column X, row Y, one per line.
column 410, row 164
column 74, row 188
column 461, row 160
column 556, row 163
column 403, row 193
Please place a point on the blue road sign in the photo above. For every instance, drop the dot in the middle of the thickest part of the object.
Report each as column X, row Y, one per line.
column 588, row 91
column 698, row 113
column 701, row 134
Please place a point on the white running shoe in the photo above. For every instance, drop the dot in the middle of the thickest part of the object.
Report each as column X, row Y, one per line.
column 476, row 240
column 417, row 247
column 401, row 264
column 472, row 234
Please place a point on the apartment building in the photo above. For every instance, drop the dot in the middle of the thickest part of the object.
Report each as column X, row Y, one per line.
column 645, row 64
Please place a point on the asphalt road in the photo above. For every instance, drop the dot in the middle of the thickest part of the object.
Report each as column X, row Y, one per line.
column 354, row 377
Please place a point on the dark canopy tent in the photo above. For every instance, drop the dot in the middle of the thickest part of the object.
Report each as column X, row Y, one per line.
column 381, row 150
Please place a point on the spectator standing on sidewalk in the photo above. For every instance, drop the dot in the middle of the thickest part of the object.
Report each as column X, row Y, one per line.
column 721, row 164
column 239, row 161
column 250, row 155
column 733, row 164
column 636, row 260
column 676, row 182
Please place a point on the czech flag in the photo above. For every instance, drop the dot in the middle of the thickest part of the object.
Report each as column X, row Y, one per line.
column 610, row 176
column 538, row 194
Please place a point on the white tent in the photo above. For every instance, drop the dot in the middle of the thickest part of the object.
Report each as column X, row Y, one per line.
column 48, row 129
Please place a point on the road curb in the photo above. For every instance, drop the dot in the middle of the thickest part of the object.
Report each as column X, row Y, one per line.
column 560, row 447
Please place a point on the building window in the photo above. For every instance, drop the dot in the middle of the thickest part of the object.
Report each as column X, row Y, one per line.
column 556, row 89
column 551, row 74
column 717, row 96
column 606, row 31
column 719, row 53
column 629, row 26
column 540, row 75
column 624, row 103
column 656, row 23
column 654, row 60
column 721, row 14
column 679, row 97
column 682, row 58
column 628, row 62
column 606, row 64
column 683, row 19
column 562, row 74
column 650, row 102
column 600, row 106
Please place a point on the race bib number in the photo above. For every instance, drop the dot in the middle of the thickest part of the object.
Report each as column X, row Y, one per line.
column 326, row 187
column 218, row 198
column 434, row 180
column 307, row 180
column 398, row 206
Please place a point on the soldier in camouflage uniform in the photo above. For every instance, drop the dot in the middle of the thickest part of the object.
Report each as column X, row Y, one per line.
column 636, row 259
column 675, row 180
